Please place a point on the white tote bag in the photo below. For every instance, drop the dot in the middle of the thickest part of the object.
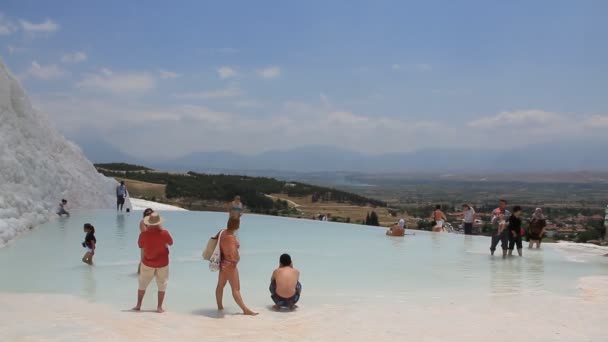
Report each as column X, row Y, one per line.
column 216, row 256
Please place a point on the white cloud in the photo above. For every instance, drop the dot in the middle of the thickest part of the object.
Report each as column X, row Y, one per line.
column 227, row 72
column 247, row 103
column 15, row 49
column 168, row 75
column 269, row 72
column 596, row 121
column 424, row 67
column 44, row 72
column 421, row 67
column 124, row 82
column 232, row 91
column 324, row 100
column 7, row 27
column 525, row 118
column 74, row 57
column 45, row 27
column 220, row 51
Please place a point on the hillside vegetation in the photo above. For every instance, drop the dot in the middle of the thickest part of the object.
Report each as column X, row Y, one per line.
column 122, row 167
column 223, row 188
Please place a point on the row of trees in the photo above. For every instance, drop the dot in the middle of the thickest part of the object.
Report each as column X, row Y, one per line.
column 253, row 190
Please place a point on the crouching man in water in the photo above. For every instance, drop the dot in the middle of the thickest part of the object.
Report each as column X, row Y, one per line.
column 285, row 287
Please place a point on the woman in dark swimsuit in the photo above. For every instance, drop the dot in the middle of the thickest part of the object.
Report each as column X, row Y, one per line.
column 229, row 273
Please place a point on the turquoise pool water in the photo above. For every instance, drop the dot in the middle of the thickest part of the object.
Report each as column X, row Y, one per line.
column 340, row 263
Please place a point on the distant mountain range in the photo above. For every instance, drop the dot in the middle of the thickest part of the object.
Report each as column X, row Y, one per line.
column 536, row 158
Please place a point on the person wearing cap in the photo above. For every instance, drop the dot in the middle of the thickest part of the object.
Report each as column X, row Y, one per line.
column 154, row 242
column 121, row 193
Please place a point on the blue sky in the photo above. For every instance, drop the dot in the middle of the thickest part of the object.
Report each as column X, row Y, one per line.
column 166, row 79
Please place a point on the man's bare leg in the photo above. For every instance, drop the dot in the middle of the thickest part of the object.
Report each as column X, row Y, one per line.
column 161, row 299
column 140, row 299
column 520, row 252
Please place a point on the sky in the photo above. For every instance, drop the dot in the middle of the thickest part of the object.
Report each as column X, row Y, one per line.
column 161, row 79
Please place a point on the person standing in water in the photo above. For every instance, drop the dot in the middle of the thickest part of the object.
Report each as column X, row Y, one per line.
column 499, row 215
column 514, row 231
column 154, row 242
column 285, row 287
column 235, row 208
column 121, row 193
column 537, row 228
column 439, row 217
column 229, row 273
column 90, row 243
column 143, row 228
column 396, row 230
column 62, row 208
column 468, row 218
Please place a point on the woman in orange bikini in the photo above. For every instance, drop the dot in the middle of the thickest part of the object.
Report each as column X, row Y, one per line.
column 229, row 273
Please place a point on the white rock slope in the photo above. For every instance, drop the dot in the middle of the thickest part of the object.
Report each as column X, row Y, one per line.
column 39, row 167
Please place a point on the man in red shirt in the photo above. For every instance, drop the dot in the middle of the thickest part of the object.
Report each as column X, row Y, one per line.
column 154, row 242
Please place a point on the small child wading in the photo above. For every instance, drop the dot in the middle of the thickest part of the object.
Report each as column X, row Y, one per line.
column 89, row 243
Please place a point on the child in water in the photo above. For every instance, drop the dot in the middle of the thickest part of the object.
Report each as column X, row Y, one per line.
column 61, row 210
column 89, row 243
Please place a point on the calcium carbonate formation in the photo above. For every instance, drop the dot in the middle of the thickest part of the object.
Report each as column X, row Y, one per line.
column 39, row 167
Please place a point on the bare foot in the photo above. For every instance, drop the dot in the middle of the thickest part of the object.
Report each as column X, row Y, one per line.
column 160, row 310
column 250, row 313
column 293, row 307
column 220, row 308
column 276, row 307
column 137, row 308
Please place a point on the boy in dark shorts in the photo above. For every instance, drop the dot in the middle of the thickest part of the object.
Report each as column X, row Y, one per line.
column 515, row 231
column 285, row 287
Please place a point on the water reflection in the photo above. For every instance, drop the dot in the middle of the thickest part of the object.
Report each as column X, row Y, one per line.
column 435, row 241
column 506, row 275
column 120, row 225
column 89, row 284
column 467, row 264
column 535, row 269
column 121, row 230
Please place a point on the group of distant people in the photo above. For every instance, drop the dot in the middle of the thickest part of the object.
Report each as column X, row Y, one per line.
column 507, row 225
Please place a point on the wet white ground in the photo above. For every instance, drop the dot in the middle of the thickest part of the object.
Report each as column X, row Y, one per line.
column 49, row 317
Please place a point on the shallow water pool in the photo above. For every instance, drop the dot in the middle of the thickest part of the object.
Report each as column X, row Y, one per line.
column 340, row 263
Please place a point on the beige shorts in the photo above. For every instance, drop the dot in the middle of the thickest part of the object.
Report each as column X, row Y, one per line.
column 148, row 273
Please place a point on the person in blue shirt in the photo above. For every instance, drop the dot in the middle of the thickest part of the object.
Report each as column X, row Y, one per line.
column 121, row 193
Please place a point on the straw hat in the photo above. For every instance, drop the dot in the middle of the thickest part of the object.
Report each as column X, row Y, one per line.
column 153, row 219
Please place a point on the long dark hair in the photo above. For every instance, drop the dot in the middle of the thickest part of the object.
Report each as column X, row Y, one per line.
column 89, row 227
column 149, row 211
